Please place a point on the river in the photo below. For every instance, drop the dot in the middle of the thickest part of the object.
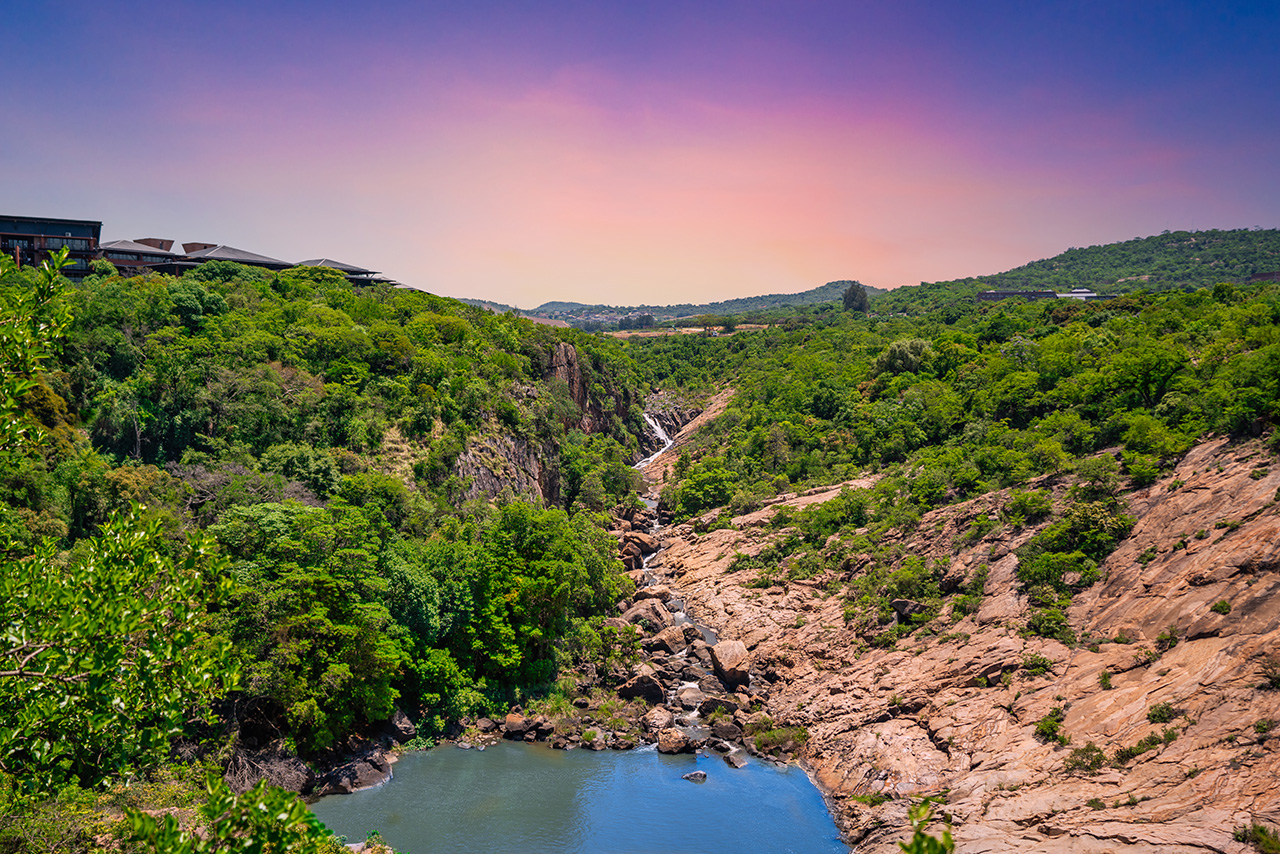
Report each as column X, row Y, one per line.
column 529, row 799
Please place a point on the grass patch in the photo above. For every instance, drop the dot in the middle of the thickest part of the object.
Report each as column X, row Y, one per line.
column 1259, row 836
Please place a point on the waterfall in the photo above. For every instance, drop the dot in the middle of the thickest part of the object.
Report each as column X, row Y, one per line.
column 666, row 440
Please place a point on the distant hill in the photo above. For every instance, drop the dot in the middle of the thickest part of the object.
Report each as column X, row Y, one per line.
column 831, row 291
column 1177, row 259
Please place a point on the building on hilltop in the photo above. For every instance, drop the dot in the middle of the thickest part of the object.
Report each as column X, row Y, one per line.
column 132, row 257
column 29, row 240
column 355, row 275
column 1082, row 294
column 996, row 296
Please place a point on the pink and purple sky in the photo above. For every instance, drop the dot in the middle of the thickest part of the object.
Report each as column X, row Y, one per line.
column 653, row 152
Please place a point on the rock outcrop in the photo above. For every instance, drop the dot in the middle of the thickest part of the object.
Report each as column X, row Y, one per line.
column 1182, row 624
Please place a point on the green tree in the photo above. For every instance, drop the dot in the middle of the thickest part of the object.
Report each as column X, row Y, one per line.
column 855, row 298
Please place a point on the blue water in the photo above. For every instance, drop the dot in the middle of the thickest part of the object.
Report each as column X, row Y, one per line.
column 527, row 799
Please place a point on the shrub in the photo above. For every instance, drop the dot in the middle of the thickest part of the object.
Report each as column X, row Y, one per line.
column 1167, row 639
column 1095, row 804
column 1104, row 679
column 1124, row 754
column 1027, row 506
column 1085, row 760
column 1264, row 726
column 1047, row 728
column 1271, row 672
column 921, row 842
column 978, row 528
column 1051, row 623
column 1161, row 713
column 1036, row 665
column 1222, row 606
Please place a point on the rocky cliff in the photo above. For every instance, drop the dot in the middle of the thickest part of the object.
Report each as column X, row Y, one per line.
column 1166, row 721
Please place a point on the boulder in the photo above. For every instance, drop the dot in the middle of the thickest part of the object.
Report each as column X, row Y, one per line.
column 710, row 684
column 400, row 727
column 700, row 650
column 358, row 774
column 643, row 687
column 649, row 614
column 713, row 704
column 645, row 543
column 658, row 591
column 670, row 640
column 731, row 662
column 690, row 697
column 736, row 758
column 486, row 725
column 657, row 719
column 542, row 727
column 695, row 776
column 673, row 740
column 516, row 725
column 727, row 730
column 906, row 608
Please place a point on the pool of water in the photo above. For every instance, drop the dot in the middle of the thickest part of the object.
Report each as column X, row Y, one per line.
column 527, row 799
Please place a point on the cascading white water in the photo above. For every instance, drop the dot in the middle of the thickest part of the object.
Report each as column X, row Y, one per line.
column 666, row 440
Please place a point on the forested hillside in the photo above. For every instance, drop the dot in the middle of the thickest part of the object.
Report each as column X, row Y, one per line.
column 830, row 292
column 272, row 507
column 321, row 462
column 1177, row 259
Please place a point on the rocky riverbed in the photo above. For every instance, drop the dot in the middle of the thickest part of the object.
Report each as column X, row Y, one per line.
column 1171, row 751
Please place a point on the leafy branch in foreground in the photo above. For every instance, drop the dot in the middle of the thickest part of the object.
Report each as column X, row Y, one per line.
column 101, row 657
column 263, row 820
column 922, row 843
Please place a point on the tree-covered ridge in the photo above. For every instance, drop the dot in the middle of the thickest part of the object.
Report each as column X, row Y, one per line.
column 943, row 412
column 998, row 395
column 1177, row 259
column 831, row 291
column 332, row 442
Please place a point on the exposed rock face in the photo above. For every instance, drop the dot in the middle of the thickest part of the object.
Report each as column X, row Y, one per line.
column 493, row 464
column 916, row 720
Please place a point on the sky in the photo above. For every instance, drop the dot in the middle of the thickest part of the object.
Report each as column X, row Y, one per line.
column 644, row 152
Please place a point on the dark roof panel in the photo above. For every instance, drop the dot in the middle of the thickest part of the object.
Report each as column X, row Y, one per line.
column 240, row 256
column 349, row 269
column 132, row 246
